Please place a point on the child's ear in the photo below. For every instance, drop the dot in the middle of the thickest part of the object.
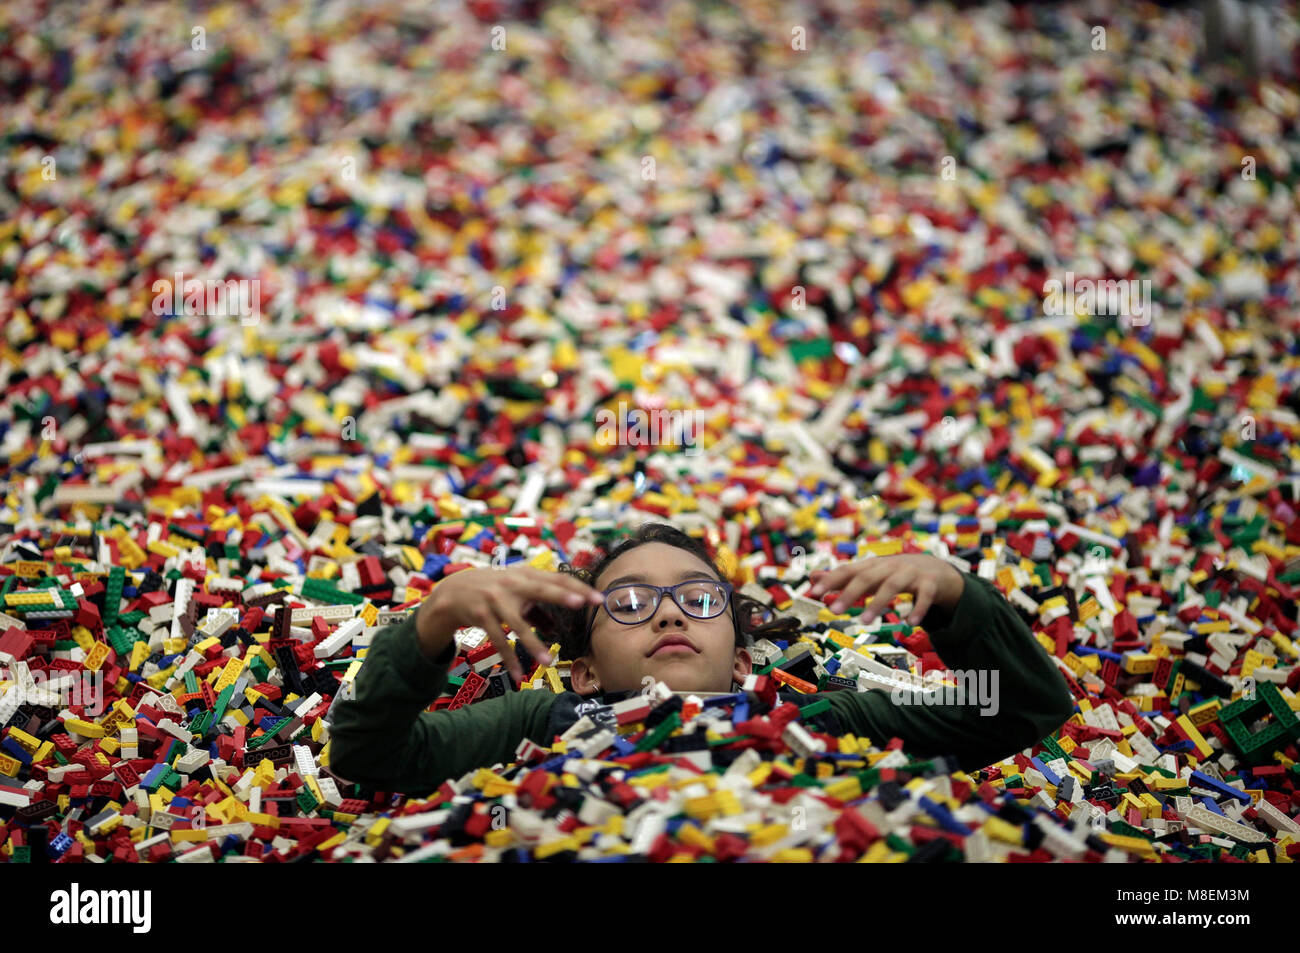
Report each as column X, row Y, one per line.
column 582, row 678
column 744, row 665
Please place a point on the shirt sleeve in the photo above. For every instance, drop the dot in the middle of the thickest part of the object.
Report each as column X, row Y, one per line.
column 1024, row 698
column 384, row 739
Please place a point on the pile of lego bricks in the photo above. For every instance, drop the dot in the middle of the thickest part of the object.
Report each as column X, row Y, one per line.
column 206, row 516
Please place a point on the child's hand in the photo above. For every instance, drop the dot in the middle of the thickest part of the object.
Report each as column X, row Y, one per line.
column 930, row 580
column 487, row 598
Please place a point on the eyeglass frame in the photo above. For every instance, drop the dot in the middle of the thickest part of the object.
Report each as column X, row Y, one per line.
column 727, row 588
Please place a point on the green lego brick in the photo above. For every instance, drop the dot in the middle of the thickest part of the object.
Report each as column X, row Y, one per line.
column 122, row 640
column 223, row 700
column 322, row 591
column 661, row 732
column 1054, row 749
column 714, row 742
column 897, row 843
column 113, row 594
column 815, row 709
column 306, row 800
column 869, row 778
column 1128, row 830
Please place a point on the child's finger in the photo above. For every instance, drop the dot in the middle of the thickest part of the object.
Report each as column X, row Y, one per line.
column 824, row 579
column 885, row 594
column 863, row 583
column 524, row 632
column 555, row 587
column 924, row 599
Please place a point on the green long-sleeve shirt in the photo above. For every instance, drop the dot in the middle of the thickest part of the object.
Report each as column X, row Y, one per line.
column 384, row 739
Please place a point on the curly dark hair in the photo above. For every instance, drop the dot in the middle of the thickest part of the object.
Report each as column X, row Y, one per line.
column 557, row 623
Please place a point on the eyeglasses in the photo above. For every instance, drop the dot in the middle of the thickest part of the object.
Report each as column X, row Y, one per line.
column 638, row 601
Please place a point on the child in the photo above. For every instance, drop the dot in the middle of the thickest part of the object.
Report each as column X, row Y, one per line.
column 664, row 610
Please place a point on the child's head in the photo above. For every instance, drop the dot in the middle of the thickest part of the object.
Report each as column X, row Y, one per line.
column 616, row 656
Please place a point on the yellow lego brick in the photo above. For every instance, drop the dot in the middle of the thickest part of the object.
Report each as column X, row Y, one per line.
column 1204, row 712
column 885, row 547
column 264, row 773
column 769, row 834
column 29, row 743
column 1203, row 749
column 206, row 644
column 139, row 652
column 334, row 841
column 96, row 656
column 691, row 835
column 553, row 679
column 82, row 727
column 1074, row 663
column 881, row 853
column 701, row 808
column 557, row 846
column 1281, row 850
column 1284, row 645
column 370, row 613
column 1253, row 660
column 230, row 673
column 159, row 548
column 1137, row 663
column 1135, row 845
column 81, row 635
column 727, row 802
column 42, row 597
column 9, row 766
column 793, row 855
column 999, row 829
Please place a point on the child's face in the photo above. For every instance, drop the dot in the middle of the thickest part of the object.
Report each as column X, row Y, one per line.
column 621, row 655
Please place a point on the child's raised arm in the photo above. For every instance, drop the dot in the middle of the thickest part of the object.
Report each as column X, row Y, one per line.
column 1021, row 696
column 384, row 739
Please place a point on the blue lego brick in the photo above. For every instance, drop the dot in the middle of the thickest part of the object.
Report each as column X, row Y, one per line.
column 1045, row 771
column 1227, row 790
